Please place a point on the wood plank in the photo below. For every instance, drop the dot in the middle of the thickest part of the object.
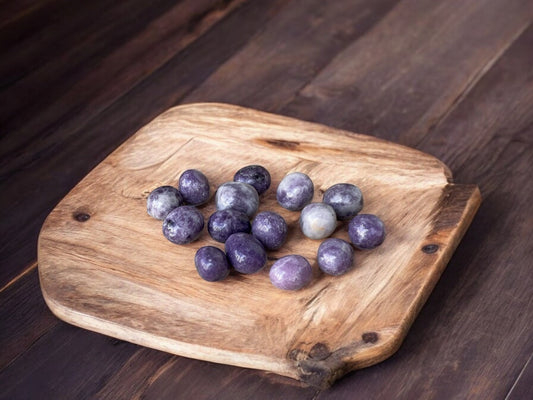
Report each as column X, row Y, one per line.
column 297, row 44
column 24, row 317
column 402, row 76
column 155, row 375
column 104, row 131
column 522, row 387
column 474, row 335
column 67, row 362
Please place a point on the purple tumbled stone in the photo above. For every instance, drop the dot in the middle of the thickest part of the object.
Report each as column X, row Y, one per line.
column 237, row 196
column 194, row 187
column 345, row 198
column 255, row 175
column 211, row 263
column 223, row 223
column 366, row 231
column 335, row 256
column 163, row 200
column 245, row 253
column 291, row 272
column 295, row 191
column 183, row 225
column 270, row 229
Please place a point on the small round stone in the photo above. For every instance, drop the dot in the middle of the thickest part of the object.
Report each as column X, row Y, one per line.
column 270, row 229
column 366, row 231
column 295, row 191
column 318, row 220
column 255, row 175
column 245, row 253
column 345, row 198
column 335, row 256
column 183, row 225
column 194, row 187
column 211, row 263
column 291, row 272
column 238, row 196
column 224, row 223
column 163, row 200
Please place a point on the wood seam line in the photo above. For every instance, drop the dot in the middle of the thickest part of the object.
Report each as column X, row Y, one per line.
column 327, row 64
column 473, row 82
column 510, row 392
column 21, row 275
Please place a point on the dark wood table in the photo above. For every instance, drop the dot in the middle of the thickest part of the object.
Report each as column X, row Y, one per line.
column 451, row 78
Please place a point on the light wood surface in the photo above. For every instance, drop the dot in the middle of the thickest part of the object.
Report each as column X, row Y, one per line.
column 104, row 264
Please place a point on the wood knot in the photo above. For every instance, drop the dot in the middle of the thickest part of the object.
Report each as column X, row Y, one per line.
column 319, row 351
column 370, row 337
column 286, row 144
column 81, row 216
column 430, row 248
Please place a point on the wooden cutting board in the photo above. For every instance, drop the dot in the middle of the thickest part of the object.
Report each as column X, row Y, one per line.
column 104, row 264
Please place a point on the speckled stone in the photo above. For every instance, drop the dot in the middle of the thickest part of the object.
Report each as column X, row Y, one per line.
column 345, row 198
column 318, row 220
column 292, row 272
column 237, row 196
column 295, row 191
column 270, row 229
column 366, row 231
column 162, row 200
column 335, row 256
column 183, row 225
column 255, row 175
column 194, row 187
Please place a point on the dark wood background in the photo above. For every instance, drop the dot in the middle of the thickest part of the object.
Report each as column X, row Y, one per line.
column 451, row 78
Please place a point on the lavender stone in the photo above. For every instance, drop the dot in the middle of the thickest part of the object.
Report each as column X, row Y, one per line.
column 291, row 272
column 295, row 191
column 255, row 175
column 183, row 225
column 345, row 198
column 237, row 196
column 194, row 187
column 162, row 200
column 270, row 229
column 335, row 256
column 318, row 220
column 223, row 223
column 245, row 253
column 211, row 263
column 366, row 231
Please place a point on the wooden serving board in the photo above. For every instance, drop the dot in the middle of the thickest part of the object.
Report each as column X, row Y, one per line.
column 104, row 264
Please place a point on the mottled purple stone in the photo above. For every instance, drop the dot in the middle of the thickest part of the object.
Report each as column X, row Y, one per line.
column 270, row 229
column 194, row 187
column 366, row 231
column 254, row 175
column 245, row 253
column 335, row 256
column 345, row 198
column 183, row 225
column 238, row 196
column 211, row 263
column 223, row 223
column 295, row 191
column 291, row 272
column 162, row 200
column 318, row 220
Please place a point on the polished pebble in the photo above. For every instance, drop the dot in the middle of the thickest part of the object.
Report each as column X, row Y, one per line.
column 238, row 196
column 318, row 220
column 162, row 200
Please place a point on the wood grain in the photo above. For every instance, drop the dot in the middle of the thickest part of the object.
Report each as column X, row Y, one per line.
column 94, row 132
column 114, row 273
